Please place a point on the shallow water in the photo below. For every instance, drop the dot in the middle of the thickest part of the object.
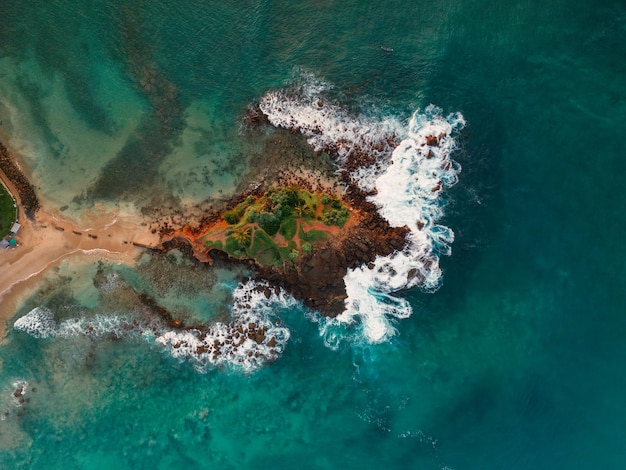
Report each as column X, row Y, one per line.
column 515, row 362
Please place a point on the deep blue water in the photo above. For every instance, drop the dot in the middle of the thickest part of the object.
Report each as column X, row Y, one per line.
column 515, row 362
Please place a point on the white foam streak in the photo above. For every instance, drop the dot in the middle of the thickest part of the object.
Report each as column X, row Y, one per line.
column 409, row 190
column 38, row 323
column 248, row 342
column 408, row 194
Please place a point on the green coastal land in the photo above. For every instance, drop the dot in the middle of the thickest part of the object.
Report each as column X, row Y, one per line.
column 279, row 226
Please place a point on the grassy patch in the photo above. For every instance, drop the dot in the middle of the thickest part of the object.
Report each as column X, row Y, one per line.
column 277, row 205
column 264, row 249
column 288, row 228
column 261, row 242
column 289, row 252
column 214, row 244
column 278, row 211
column 7, row 212
column 233, row 247
column 270, row 256
column 312, row 235
column 284, row 252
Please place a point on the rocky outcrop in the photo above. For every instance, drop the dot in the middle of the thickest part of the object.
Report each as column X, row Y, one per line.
column 317, row 278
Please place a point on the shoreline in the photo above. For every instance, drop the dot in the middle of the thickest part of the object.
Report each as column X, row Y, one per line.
column 47, row 238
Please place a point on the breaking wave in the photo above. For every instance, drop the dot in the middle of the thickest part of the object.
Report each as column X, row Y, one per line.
column 250, row 340
column 405, row 169
column 330, row 128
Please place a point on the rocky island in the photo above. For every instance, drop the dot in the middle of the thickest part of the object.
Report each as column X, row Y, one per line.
column 302, row 240
column 311, row 211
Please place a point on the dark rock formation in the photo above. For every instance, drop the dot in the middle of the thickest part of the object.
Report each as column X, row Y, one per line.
column 316, row 278
column 162, row 312
column 180, row 244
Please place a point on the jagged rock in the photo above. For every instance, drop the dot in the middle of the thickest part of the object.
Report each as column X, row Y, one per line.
column 432, row 140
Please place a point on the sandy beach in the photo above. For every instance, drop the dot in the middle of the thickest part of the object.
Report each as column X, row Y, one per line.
column 50, row 238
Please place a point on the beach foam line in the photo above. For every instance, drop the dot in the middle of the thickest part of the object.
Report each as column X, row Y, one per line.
column 411, row 169
column 249, row 341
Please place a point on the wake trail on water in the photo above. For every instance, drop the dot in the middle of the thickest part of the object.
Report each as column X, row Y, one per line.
column 249, row 341
column 404, row 168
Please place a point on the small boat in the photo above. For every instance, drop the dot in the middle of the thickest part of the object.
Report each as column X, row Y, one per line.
column 386, row 49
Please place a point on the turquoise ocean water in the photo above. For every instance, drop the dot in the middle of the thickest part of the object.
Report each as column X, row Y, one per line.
column 516, row 362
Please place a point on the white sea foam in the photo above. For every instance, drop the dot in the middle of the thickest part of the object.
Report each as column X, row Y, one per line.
column 250, row 340
column 408, row 193
column 411, row 170
column 39, row 323
column 329, row 127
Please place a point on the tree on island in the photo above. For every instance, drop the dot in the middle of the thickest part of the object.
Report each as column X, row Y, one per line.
column 302, row 210
column 242, row 235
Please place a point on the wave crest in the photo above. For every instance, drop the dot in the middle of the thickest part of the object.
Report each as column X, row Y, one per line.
column 248, row 342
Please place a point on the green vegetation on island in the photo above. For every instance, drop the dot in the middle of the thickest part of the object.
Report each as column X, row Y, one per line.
column 7, row 211
column 278, row 226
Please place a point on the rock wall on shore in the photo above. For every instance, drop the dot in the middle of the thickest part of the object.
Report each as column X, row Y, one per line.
column 26, row 191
